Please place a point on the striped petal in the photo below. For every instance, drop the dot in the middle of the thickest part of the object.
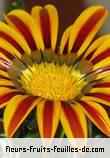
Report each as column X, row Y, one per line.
column 101, row 57
column 4, row 75
column 6, row 94
column 102, row 85
column 6, row 83
column 99, row 97
column 103, row 73
column 105, row 90
column 48, row 114
column 85, row 28
column 97, row 114
column 46, row 25
column 8, row 50
column 3, row 57
column 73, row 121
column 25, row 25
column 65, row 40
column 95, row 45
column 13, row 38
column 16, row 112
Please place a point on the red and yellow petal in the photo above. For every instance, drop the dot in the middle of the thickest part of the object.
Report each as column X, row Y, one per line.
column 97, row 114
column 102, row 87
column 73, row 121
column 25, row 25
column 101, row 57
column 48, row 114
column 65, row 40
column 104, row 76
column 16, row 111
column 15, row 39
column 95, row 45
column 4, row 57
column 105, row 90
column 85, row 28
column 99, row 97
column 8, row 50
column 6, row 94
column 4, row 83
column 46, row 19
column 4, row 75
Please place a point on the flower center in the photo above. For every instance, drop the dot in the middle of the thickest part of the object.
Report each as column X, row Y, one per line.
column 54, row 82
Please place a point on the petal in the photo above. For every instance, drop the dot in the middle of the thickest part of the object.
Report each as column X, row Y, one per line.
column 4, row 75
column 46, row 25
column 13, row 38
column 4, row 64
column 103, row 76
column 48, row 113
column 105, row 90
column 99, row 97
column 97, row 114
column 16, row 111
column 6, row 94
column 95, row 45
column 25, row 25
column 65, row 40
column 6, row 83
column 86, row 27
column 103, row 73
column 101, row 57
column 8, row 50
column 102, row 85
column 73, row 121
column 3, row 57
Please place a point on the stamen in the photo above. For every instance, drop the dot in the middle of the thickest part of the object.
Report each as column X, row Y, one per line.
column 49, row 76
column 52, row 82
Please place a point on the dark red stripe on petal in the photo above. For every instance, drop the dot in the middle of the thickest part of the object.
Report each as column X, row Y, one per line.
column 12, row 41
column 73, row 120
column 96, row 116
column 24, row 30
column 102, row 96
column 6, row 97
column 21, row 110
column 87, row 28
column 3, row 68
column 7, row 86
column 102, row 85
column 3, row 77
column 47, row 119
column 101, row 56
column 5, row 62
column 90, row 55
column 103, row 70
column 107, row 108
column 65, row 51
column 6, row 53
column 45, row 26
column 107, row 68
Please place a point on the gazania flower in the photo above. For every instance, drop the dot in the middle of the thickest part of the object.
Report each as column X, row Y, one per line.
column 65, row 82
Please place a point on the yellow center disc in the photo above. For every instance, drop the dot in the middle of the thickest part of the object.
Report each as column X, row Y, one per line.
column 52, row 81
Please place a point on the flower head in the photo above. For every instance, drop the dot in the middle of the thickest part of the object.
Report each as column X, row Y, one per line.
column 65, row 82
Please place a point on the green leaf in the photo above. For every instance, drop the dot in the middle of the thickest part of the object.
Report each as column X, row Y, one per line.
column 16, row 4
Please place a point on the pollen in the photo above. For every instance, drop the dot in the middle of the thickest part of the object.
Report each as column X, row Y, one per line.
column 52, row 81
